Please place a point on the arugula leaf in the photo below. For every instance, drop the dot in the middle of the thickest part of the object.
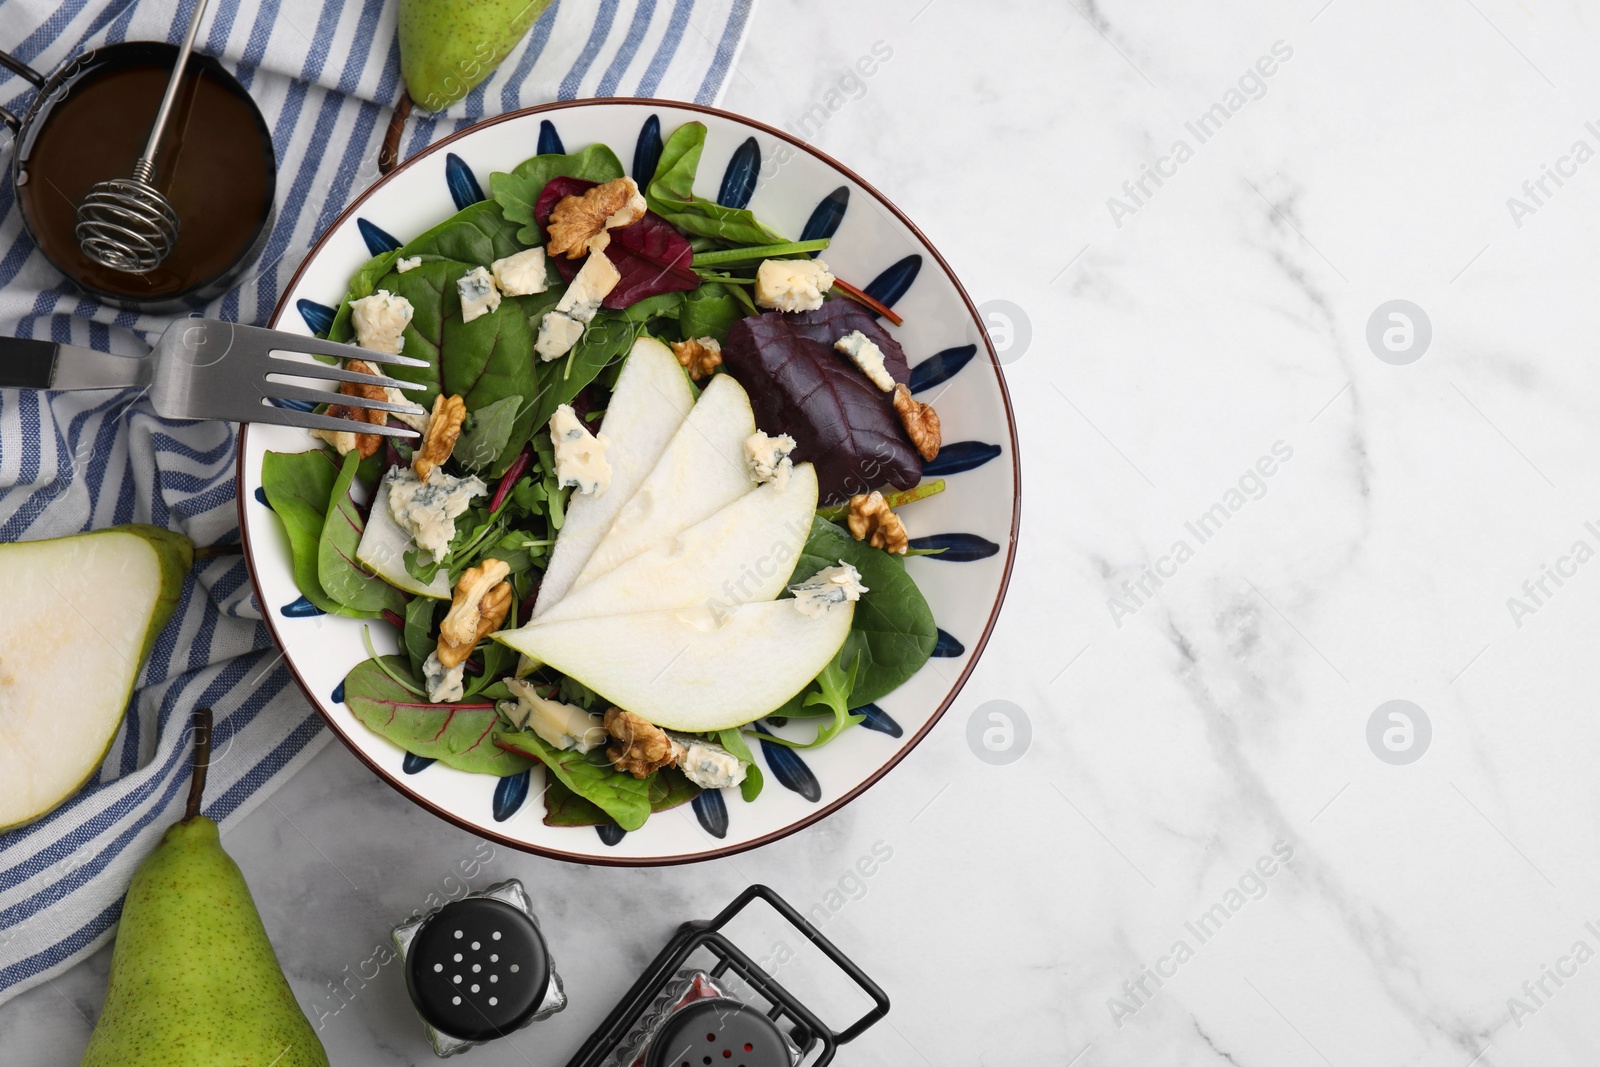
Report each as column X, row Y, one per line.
column 732, row 740
column 298, row 486
column 623, row 797
column 670, row 194
column 833, row 693
column 709, row 311
column 485, row 433
column 562, row 807
column 516, row 193
column 340, row 576
column 457, row 735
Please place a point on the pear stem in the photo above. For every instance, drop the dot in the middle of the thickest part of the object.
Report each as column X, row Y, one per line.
column 202, row 760
column 389, row 150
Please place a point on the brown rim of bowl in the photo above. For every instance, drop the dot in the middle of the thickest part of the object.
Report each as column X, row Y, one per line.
column 822, row 812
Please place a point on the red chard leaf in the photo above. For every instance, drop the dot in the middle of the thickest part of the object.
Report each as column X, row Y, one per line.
column 838, row 317
column 651, row 255
column 840, row 421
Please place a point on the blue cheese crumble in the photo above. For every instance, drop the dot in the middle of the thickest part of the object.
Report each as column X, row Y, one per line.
column 522, row 274
column 380, row 321
column 478, row 294
column 868, row 356
column 445, row 685
column 708, row 765
column 562, row 726
column 818, row 594
column 768, row 458
column 792, row 284
column 580, row 455
column 428, row 510
column 405, row 263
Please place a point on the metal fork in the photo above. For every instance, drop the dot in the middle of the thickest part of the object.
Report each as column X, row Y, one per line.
column 209, row 369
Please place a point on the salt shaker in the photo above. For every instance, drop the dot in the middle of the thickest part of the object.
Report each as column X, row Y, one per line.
column 726, row 1012
column 478, row 968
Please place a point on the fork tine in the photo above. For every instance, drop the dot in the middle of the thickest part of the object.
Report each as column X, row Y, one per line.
column 311, row 421
column 284, row 391
column 328, row 372
column 316, row 346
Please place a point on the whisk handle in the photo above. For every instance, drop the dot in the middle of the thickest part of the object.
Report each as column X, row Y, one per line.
column 173, row 82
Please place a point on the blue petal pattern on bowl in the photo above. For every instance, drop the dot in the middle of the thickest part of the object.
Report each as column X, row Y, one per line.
column 463, row 184
column 892, row 284
column 826, row 217
column 712, row 812
column 647, row 152
column 318, row 317
column 875, row 718
column 261, row 497
column 338, row 693
column 947, row 647
column 378, row 240
column 550, row 144
column 611, row 834
column 958, row 547
column 789, row 769
column 302, row 609
column 509, row 795
column 959, row 456
column 415, row 764
column 739, row 180
column 941, row 367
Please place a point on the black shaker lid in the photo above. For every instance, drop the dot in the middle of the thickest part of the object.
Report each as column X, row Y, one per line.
column 718, row 1032
column 478, row 969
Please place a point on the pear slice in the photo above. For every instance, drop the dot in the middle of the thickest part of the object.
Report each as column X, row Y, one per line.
column 383, row 551
column 695, row 669
column 702, row 471
column 649, row 405
column 742, row 554
column 81, row 614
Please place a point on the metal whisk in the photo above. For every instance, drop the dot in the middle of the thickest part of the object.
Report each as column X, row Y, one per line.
column 126, row 224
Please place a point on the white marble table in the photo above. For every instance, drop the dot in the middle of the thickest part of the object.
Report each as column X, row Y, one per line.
column 1104, row 900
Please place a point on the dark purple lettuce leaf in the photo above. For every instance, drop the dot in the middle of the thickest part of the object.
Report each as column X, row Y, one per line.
column 840, row 421
column 651, row 255
column 839, row 316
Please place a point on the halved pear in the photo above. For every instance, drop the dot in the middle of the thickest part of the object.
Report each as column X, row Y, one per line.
column 649, row 405
column 742, row 554
column 81, row 614
column 702, row 471
column 383, row 551
column 694, row 669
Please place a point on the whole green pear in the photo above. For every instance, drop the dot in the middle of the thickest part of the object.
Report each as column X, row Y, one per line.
column 449, row 46
column 194, row 980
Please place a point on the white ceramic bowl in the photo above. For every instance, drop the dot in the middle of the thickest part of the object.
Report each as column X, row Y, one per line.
column 799, row 191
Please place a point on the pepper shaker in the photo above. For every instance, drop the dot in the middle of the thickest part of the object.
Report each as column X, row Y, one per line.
column 478, row 968
column 727, row 1013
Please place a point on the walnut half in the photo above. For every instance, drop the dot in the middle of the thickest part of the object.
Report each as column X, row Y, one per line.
column 872, row 520
column 479, row 607
column 578, row 224
column 920, row 420
column 640, row 748
column 701, row 355
column 344, row 440
column 444, row 427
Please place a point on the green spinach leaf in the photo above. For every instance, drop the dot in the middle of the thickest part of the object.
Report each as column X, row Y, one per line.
column 298, row 486
column 485, row 433
column 341, row 577
column 418, row 637
column 670, row 194
column 708, row 312
column 607, row 338
column 457, row 735
column 517, row 192
column 621, row 796
column 562, row 807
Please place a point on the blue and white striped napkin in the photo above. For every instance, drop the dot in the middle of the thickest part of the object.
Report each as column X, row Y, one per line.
column 325, row 73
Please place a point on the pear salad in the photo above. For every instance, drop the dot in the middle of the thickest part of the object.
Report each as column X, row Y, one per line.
column 651, row 515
